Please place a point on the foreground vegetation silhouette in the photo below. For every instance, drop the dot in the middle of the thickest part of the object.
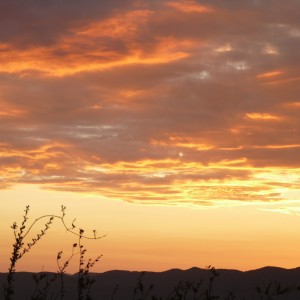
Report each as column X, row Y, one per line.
column 21, row 248
column 184, row 290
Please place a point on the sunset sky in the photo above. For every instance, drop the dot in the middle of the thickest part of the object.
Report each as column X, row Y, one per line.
column 171, row 126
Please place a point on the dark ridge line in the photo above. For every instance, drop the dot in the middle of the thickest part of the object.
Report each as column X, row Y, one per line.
column 266, row 268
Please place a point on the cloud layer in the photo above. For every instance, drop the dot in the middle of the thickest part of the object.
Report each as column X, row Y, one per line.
column 165, row 102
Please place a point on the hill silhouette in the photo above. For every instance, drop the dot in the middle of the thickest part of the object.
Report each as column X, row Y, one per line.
column 243, row 283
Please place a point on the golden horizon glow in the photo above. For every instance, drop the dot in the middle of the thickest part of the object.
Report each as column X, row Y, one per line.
column 122, row 247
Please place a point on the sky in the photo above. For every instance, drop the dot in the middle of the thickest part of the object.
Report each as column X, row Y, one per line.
column 171, row 126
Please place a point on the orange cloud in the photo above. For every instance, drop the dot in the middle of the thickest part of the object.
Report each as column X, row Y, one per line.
column 26, row 63
column 269, row 74
column 103, row 49
column 263, row 116
column 285, row 80
column 295, row 104
column 190, row 7
column 279, row 146
column 148, row 181
column 7, row 112
column 181, row 142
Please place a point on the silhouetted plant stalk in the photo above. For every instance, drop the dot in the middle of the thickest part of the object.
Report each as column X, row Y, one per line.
column 273, row 289
column 16, row 254
column 184, row 290
column 140, row 292
column 115, row 290
column 20, row 249
column 84, row 282
column 194, row 290
column 209, row 291
column 181, row 290
column 230, row 295
column 62, row 268
column 40, row 292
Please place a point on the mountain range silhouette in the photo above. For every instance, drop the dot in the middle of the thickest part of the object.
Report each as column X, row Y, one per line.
column 120, row 285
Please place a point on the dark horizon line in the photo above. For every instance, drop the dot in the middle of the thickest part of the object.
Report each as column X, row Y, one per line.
column 165, row 271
